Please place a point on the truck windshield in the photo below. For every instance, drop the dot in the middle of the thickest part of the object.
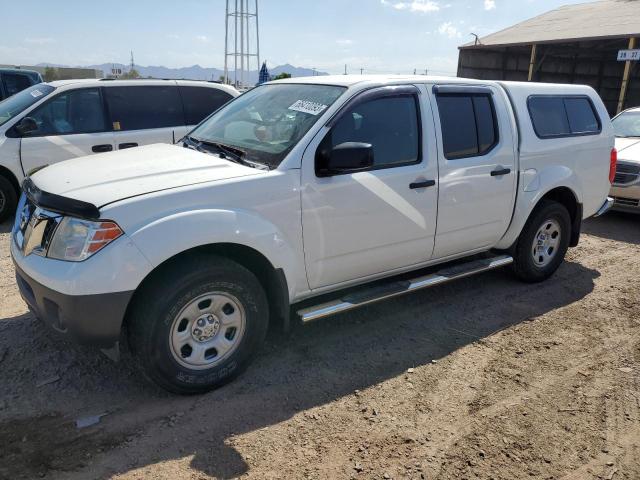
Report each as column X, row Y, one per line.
column 265, row 123
column 15, row 104
column 627, row 124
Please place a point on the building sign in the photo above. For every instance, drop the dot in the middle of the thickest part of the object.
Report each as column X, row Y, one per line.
column 116, row 72
column 628, row 55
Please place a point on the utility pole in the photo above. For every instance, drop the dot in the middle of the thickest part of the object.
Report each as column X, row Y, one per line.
column 361, row 70
column 345, row 68
column 244, row 21
column 132, row 65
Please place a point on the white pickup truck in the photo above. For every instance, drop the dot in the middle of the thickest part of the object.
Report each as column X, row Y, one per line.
column 351, row 189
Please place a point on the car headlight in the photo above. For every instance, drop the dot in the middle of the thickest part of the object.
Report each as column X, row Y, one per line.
column 76, row 240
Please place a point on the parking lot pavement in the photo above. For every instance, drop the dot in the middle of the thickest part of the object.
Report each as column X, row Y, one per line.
column 485, row 377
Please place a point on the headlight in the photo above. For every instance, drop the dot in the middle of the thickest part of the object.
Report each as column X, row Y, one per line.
column 76, row 240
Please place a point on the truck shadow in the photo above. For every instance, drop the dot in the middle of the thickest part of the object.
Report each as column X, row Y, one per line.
column 5, row 227
column 620, row 226
column 312, row 366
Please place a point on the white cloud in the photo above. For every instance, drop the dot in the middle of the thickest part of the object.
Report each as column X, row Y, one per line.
column 345, row 42
column 202, row 38
column 449, row 30
column 420, row 6
column 38, row 40
column 489, row 4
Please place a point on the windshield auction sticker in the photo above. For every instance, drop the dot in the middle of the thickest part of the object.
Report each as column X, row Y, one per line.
column 36, row 93
column 305, row 106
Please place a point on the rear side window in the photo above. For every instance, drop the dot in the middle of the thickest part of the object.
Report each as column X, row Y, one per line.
column 468, row 123
column 141, row 108
column 556, row 116
column 73, row 111
column 200, row 102
column 14, row 83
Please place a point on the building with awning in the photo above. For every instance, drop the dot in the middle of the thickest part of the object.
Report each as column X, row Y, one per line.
column 596, row 44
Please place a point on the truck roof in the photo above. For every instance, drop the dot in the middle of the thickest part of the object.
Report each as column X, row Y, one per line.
column 350, row 80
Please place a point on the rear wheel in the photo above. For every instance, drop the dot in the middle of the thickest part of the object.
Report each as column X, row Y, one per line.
column 8, row 198
column 198, row 324
column 543, row 243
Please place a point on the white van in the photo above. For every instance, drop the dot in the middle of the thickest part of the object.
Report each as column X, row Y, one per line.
column 56, row 121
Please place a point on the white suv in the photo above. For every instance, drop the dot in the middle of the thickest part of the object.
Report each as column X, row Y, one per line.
column 51, row 122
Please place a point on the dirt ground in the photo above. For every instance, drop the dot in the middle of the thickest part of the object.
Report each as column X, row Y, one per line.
column 484, row 378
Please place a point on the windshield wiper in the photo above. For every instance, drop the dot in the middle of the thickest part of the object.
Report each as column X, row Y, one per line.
column 232, row 153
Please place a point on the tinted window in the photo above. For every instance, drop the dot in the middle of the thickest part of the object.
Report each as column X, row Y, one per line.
column 140, row 108
column 13, row 106
column 200, row 102
column 74, row 111
column 554, row 116
column 14, row 83
column 389, row 124
column 468, row 125
column 582, row 118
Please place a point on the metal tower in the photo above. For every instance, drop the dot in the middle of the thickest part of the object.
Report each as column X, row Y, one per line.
column 237, row 43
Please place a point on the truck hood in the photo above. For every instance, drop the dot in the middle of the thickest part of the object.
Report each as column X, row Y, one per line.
column 629, row 148
column 109, row 177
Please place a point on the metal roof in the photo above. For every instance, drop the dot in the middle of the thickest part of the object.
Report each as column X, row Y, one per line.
column 602, row 19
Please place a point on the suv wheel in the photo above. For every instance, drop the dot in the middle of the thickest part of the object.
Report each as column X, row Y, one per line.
column 8, row 198
column 198, row 324
column 543, row 243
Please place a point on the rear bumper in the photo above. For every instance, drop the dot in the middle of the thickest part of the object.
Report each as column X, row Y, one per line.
column 86, row 319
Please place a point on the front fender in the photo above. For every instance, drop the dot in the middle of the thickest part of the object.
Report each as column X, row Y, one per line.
column 533, row 185
column 186, row 230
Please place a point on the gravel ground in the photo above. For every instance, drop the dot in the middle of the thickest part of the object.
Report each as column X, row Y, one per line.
column 483, row 378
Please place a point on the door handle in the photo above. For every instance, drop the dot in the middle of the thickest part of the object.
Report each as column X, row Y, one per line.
column 122, row 146
column 422, row 184
column 500, row 172
column 107, row 147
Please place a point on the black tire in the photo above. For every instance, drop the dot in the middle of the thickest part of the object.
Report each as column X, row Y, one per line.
column 162, row 299
column 8, row 198
column 525, row 266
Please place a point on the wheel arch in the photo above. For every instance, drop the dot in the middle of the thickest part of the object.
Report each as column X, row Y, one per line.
column 272, row 279
column 567, row 197
column 8, row 174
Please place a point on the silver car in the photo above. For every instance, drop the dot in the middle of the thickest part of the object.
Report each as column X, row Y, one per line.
column 626, row 186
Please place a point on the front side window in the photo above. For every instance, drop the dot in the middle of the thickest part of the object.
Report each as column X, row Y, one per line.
column 468, row 124
column 200, row 102
column 144, row 107
column 14, row 83
column 390, row 124
column 626, row 125
column 267, row 122
column 15, row 105
column 74, row 111
column 557, row 116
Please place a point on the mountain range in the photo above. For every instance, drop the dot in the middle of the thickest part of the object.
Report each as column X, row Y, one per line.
column 195, row 72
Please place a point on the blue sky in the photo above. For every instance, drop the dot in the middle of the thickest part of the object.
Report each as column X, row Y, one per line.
column 380, row 36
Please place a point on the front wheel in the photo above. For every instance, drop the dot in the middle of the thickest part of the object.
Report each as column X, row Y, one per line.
column 198, row 323
column 543, row 243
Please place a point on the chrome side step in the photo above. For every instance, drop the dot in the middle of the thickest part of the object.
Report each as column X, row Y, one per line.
column 394, row 289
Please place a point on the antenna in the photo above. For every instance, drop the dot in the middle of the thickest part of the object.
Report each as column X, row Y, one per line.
column 243, row 21
column 477, row 42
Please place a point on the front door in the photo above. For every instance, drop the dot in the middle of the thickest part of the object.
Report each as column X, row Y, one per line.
column 358, row 225
column 478, row 170
column 71, row 124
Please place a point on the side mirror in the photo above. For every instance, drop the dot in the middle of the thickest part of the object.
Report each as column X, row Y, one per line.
column 26, row 126
column 348, row 157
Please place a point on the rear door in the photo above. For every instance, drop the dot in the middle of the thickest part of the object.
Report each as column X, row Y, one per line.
column 71, row 124
column 477, row 166
column 145, row 114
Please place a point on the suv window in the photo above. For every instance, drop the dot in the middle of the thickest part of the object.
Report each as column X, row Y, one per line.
column 14, row 83
column 144, row 107
column 390, row 124
column 74, row 111
column 468, row 124
column 556, row 116
column 200, row 102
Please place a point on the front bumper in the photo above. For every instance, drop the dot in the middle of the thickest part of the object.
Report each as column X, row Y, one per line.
column 86, row 319
column 626, row 198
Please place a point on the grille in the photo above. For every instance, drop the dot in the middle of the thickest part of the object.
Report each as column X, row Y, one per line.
column 626, row 202
column 626, row 173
